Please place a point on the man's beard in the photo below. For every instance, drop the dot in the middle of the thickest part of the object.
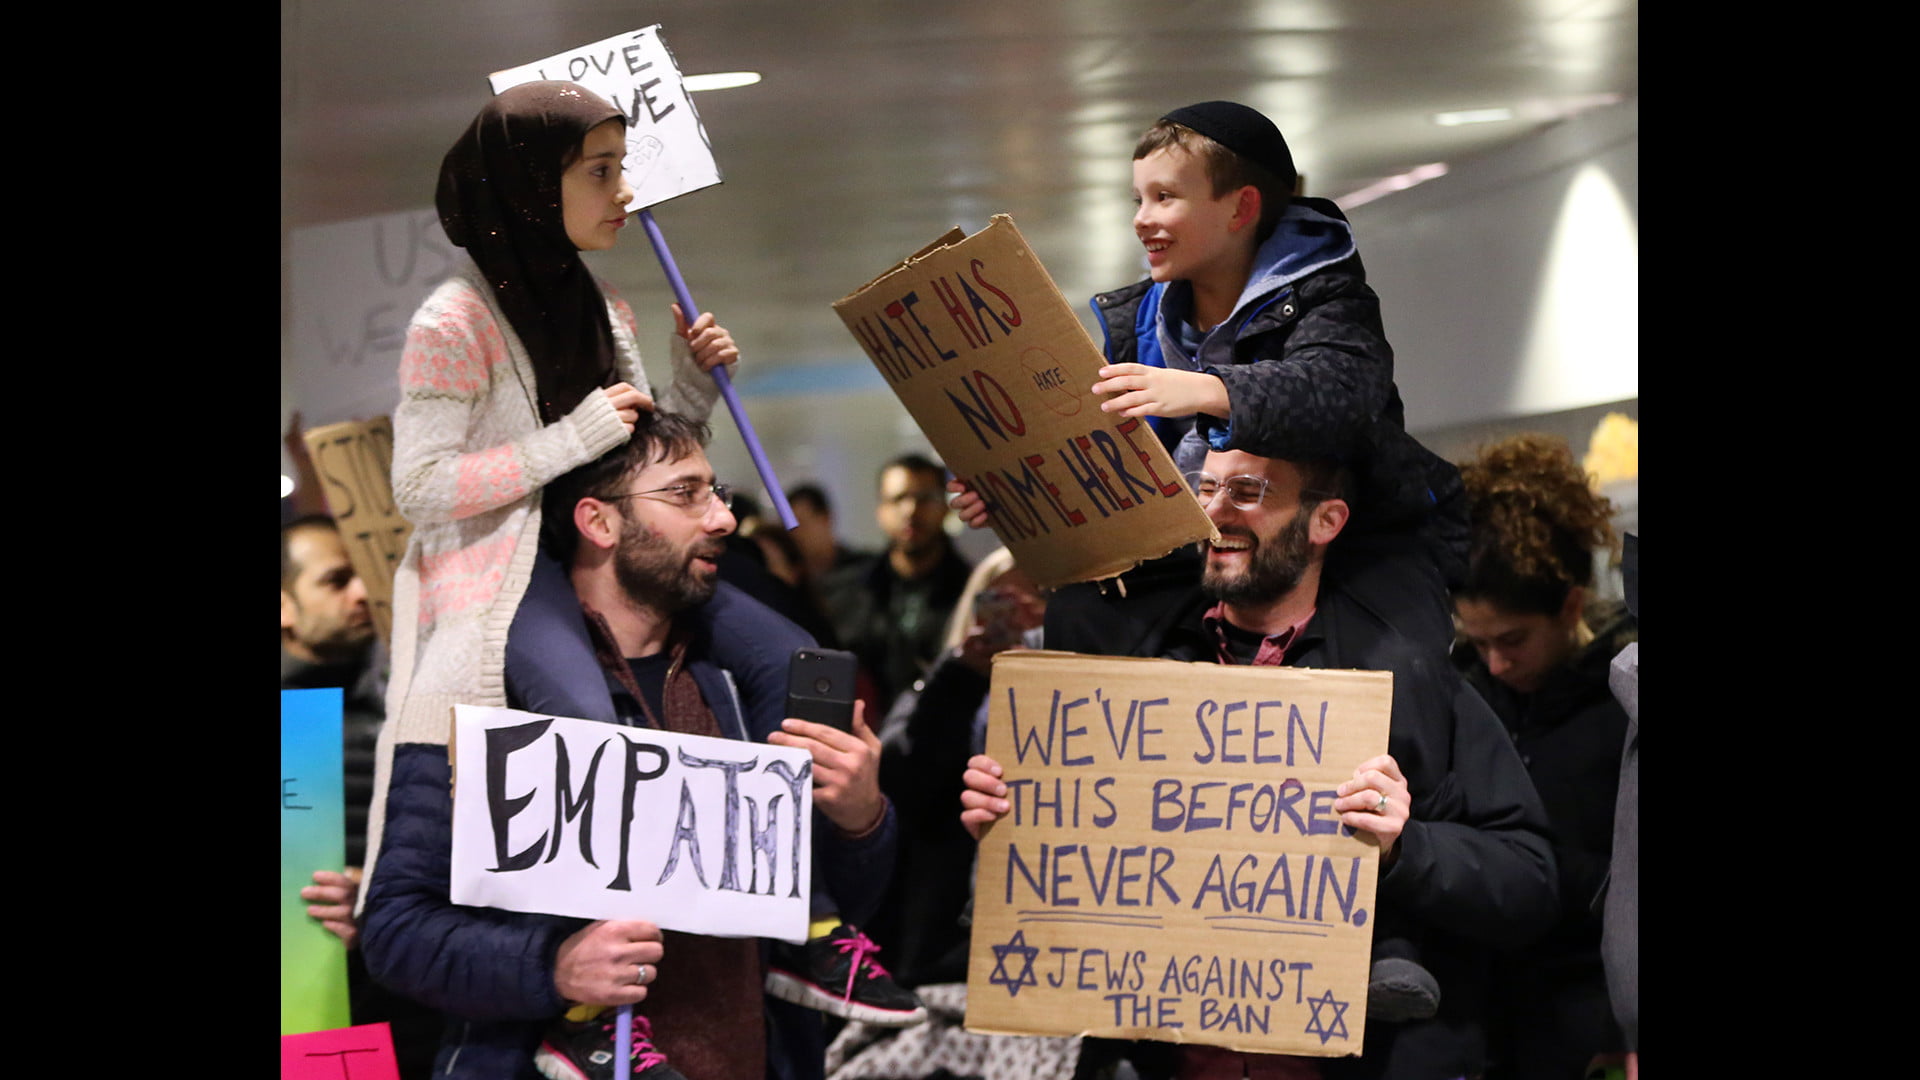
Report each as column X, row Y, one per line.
column 336, row 643
column 915, row 544
column 1275, row 567
column 655, row 576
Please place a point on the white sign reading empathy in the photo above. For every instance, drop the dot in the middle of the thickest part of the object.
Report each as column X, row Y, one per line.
column 667, row 149
column 596, row 821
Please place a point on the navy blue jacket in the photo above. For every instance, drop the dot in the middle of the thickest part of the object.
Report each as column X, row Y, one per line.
column 491, row 971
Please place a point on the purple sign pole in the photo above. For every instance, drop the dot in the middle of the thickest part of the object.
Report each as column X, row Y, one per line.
column 623, row 1040
column 719, row 373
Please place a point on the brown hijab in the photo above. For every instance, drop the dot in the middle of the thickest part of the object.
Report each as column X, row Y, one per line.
column 499, row 198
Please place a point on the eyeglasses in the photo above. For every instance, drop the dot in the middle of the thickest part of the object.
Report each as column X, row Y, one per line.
column 1244, row 492
column 692, row 496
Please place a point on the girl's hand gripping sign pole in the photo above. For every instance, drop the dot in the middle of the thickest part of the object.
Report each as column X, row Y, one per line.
column 667, row 155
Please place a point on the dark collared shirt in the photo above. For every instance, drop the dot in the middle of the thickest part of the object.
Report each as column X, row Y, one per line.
column 1232, row 642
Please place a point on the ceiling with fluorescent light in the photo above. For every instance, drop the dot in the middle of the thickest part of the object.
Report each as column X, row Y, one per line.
column 878, row 125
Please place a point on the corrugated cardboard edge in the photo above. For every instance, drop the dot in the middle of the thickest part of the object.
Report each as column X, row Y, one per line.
column 1114, row 573
column 1176, row 1036
column 947, row 239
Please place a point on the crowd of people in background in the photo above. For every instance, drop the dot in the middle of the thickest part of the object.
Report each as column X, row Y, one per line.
column 1536, row 639
column 574, row 553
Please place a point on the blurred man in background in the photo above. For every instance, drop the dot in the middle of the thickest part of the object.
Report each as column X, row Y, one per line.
column 891, row 609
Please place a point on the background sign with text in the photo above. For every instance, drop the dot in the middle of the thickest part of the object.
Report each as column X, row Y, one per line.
column 354, row 461
column 313, row 836
column 1172, row 867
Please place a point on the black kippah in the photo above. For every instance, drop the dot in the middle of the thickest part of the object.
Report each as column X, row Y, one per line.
column 1242, row 130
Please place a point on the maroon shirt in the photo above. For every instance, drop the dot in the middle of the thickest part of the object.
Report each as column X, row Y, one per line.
column 1213, row 1062
column 1273, row 648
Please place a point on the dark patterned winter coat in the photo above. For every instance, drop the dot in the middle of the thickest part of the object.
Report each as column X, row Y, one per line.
column 1309, row 376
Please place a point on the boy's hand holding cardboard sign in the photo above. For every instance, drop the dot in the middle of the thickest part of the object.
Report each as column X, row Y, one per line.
column 982, row 349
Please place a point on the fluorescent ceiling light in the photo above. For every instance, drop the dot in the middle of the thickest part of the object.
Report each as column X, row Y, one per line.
column 1419, row 174
column 286, row 485
column 1472, row 116
column 721, row 80
column 1559, row 108
column 1538, row 110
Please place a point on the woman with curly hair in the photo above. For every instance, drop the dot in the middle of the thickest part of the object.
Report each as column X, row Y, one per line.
column 1537, row 646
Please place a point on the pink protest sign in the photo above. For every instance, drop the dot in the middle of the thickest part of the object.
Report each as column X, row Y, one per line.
column 353, row 1053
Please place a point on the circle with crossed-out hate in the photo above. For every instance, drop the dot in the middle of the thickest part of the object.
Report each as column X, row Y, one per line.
column 1050, row 382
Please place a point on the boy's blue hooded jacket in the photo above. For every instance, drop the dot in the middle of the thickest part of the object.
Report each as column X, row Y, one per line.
column 1309, row 375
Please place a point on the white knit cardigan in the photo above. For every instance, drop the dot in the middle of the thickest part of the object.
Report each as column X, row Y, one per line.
column 470, row 458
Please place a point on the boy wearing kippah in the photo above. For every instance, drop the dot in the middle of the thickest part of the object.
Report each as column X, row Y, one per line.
column 1256, row 331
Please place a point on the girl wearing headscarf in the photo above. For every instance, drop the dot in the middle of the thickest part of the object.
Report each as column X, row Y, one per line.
column 518, row 368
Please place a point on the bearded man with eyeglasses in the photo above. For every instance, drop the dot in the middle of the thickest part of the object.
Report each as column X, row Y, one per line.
column 1466, row 867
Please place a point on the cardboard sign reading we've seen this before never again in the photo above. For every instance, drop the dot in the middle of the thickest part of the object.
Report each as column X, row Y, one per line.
column 976, row 341
column 1172, row 867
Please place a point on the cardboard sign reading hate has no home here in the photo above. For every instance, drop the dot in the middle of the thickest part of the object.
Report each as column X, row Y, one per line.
column 979, row 345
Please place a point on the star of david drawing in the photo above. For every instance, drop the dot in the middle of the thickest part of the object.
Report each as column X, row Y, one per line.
column 1339, row 1025
column 1016, row 944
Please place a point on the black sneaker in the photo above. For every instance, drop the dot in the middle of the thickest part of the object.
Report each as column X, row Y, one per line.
column 1401, row 990
column 837, row 974
column 583, row 1050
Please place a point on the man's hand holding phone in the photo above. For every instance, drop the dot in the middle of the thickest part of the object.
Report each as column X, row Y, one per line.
column 846, row 769
column 825, row 720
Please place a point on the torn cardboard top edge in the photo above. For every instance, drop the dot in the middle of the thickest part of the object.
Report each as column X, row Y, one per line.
column 947, row 239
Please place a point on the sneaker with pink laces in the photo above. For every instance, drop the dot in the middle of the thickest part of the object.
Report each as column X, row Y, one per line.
column 837, row 974
column 584, row 1050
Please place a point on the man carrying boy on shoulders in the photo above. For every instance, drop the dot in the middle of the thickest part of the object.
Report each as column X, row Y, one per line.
column 1256, row 331
column 1466, row 865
